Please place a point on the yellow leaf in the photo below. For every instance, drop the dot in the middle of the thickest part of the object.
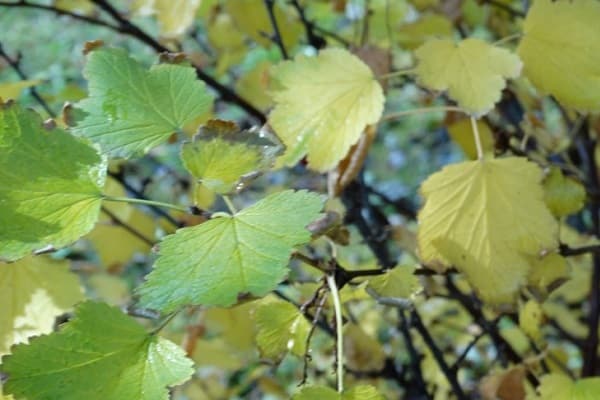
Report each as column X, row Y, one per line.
column 563, row 195
column 399, row 282
column 235, row 325
column 85, row 7
column 361, row 351
column 486, row 218
column 33, row 292
column 561, row 51
column 547, row 274
column 174, row 16
column 254, row 84
column 111, row 289
column 12, row 90
column 531, row 318
column 472, row 71
column 461, row 133
column 322, row 105
column 227, row 40
column 428, row 26
column 217, row 353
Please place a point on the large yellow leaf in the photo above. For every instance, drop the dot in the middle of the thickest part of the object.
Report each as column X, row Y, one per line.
column 472, row 71
column 322, row 105
column 486, row 218
column 561, row 51
column 33, row 292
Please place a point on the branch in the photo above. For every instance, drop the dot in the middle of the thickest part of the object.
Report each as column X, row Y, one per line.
column 15, row 65
column 118, row 221
column 567, row 251
column 415, row 359
column 269, row 5
column 309, row 27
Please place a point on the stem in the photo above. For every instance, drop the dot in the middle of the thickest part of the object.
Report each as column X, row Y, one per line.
column 424, row 110
column 165, row 322
column 230, row 204
column 396, row 73
column 508, row 38
column 477, row 138
column 144, row 202
column 269, row 5
column 338, row 331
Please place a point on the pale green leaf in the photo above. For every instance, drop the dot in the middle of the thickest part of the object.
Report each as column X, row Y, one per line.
column 224, row 158
column 470, row 221
column 561, row 51
column 33, row 292
column 50, row 191
column 322, row 105
column 214, row 262
column 360, row 392
column 397, row 282
column 563, row 195
column 12, row 90
column 101, row 354
column 560, row 387
column 280, row 328
column 472, row 71
column 130, row 109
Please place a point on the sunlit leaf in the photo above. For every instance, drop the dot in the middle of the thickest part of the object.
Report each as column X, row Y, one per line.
column 561, row 387
column 322, row 105
column 563, row 195
column 470, row 221
column 50, row 184
column 100, row 342
column 254, row 85
column 472, row 71
column 531, row 318
column 361, row 392
column 214, row 262
column 397, row 282
column 130, row 109
column 561, row 51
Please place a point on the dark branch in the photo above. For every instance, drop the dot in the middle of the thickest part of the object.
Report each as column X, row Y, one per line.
column 270, row 5
column 313, row 39
column 118, row 221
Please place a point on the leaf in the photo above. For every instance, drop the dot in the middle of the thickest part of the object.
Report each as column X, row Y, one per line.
column 547, row 274
column 50, row 192
column 397, row 282
column 472, row 71
column 461, row 133
column 531, row 318
column 214, row 262
column 504, row 384
column 224, row 158
column 233, row 324
column 129, row 109
column 429, row 26
column 227, row 40
column 100, row 354
column 322, row 105
column 561, row 387
column 174, row 17
column 33, row 292
column 360, row 392
column 254, row 84
column 563, row 195
column 470, row 221
column 561, row 51
column 12, row 90
column 281, row 328
column 361, row 351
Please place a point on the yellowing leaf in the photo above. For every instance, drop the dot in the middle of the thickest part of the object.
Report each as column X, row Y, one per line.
column 461, row 133
column 360, row 392
column 254, row 85
column 12, row 90
column 428, row 26
column 561, row 51
column 235, row 325
column 322, row 105
column 561, row 387
column 227, row 40
column 547, row 274
column 174, row 16
column 33, row 292
column 531, row 318
column 563, row 195
column 280, row 328
column 398, row 282
column 470, row 220
column 111, row 289
column 361, row 351
column 225, row 158
column 472, row 71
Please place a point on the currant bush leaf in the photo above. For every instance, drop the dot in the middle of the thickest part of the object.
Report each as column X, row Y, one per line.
column 397, row 282
column 174, row 16
column 360, row 392
column 322, row 105
column 224, row 158
column 531, row 318
column 33, row 292
column 561, row 51
column 561, row 387
column 102, row 344
column 130, row 109
column 12, row 90
column 51, row 184
column 472, row 71
column 563, row 195
column 470, row 220
column 214, row 262
column 280, row 328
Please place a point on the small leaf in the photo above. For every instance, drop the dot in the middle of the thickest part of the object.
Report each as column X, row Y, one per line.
column 561, row 51
column 561, row 387
column 129, row 109
column 101, row 354
column 322, row 105
column 33, row 292
column 361, row 351
column 531, row 318
column 360, row 392
column 12, row 90
column 547, row 274
column 174, row 16
column 214, row 262
column 563, row 195
column 397, row 282
column 51, row 184
column 429, row 26
column 224, row 158
column 472, row 71
column 281, row 328
column 469, row 220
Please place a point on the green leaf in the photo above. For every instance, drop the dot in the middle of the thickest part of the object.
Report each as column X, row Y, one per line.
column 398, row 282
column 561, row 51
column 212, row 263
column 99, row 355
column 224, row 158
column 281, row 328
column 129, row 109
column 33, row 292
column 561, row 387
column 360, row 392
column 50, row 191
column 563, row 195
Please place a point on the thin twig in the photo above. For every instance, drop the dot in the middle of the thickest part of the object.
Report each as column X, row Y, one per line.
column 118, row 221
column 277, row 38
column 313, row 39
